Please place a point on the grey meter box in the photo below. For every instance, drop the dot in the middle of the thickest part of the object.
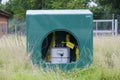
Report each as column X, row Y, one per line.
column 60, row 55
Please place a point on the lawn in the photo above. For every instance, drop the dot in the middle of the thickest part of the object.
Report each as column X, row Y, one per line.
column 16, row 65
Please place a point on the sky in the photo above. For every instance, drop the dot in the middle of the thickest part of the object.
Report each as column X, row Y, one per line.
column 4, row 1
column 92, row 4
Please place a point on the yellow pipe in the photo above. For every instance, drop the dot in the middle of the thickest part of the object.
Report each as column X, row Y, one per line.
column 67, row 38
column 53, row 40
column 77, row 53
column 53, row 43
column 71, row 45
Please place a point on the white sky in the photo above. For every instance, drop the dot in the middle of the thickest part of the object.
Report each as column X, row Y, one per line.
column 92, row 4
column 4, row 1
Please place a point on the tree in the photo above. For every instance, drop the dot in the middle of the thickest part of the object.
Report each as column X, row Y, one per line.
column 18, row 7
column 112, row 6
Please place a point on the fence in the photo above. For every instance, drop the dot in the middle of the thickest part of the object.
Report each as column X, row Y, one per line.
column 18, row 26
column 106, row 27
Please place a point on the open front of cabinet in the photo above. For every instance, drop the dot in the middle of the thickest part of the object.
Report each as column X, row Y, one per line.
column 60, row 47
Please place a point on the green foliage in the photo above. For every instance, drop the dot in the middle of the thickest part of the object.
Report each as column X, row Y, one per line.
column 105, row 8
column 68, row 4
column 18, row 7
column 77, row 4
column 113, row 3
column 98, row 12
column 110, row 6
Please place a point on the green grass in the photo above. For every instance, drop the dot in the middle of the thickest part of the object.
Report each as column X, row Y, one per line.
column 15, row 63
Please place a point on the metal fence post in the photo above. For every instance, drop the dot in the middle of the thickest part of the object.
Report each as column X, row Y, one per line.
column 96, row 27
column 116, row 27
column 113, row 27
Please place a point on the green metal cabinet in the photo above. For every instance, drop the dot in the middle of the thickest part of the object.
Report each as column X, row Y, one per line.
column 78, row 23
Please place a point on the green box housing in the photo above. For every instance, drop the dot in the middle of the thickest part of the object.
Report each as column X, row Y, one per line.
column 79, row 23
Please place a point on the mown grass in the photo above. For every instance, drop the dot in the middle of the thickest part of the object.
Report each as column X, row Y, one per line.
column 15, row 63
